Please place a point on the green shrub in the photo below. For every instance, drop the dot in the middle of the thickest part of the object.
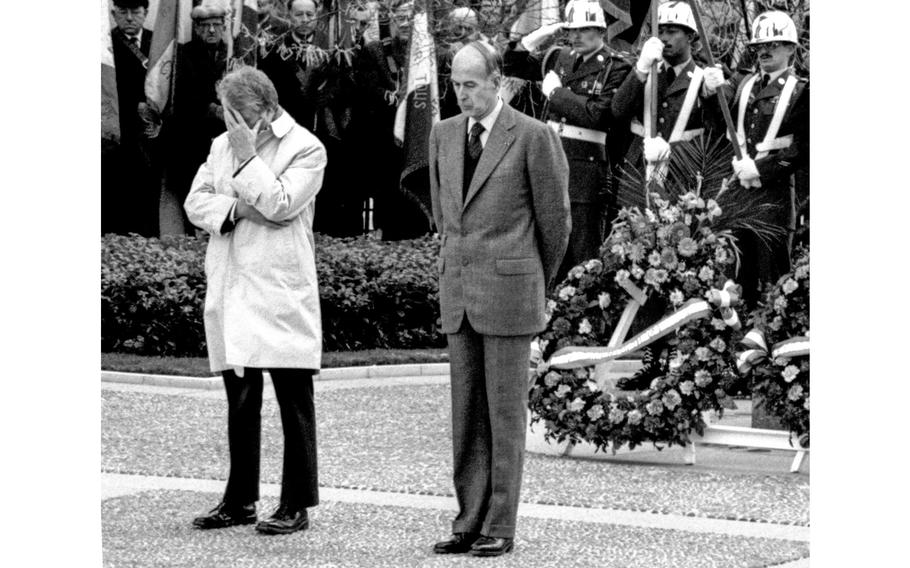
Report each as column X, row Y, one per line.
column 374, row 294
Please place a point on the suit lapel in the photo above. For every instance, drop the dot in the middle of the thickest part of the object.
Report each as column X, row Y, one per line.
column 455, row 158
column 774, row 87
column 590, row 65
column 682, row 80
column 499, row 141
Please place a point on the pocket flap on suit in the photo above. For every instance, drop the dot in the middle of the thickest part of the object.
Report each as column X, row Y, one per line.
column 516, row 266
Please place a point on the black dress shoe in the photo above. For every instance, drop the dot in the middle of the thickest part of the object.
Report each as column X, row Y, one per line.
column 225, row 515
column 458, row 543
column 285, row 520
column 492, row 546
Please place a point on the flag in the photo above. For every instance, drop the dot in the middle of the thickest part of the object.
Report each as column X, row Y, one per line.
column 110, row 113
column 537, row 13
column 172, row 27
column 242, row 35
column 625, row 18
column 419, row 110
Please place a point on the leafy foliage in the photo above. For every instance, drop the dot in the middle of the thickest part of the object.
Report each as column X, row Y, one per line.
column 373, row 294
column 783, row 382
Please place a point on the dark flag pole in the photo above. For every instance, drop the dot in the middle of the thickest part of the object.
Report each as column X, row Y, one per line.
column 721, row 95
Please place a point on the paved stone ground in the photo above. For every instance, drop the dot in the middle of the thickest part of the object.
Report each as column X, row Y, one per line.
column 385, row 470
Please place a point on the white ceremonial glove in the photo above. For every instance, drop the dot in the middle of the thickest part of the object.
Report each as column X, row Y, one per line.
column 651, row 52
column 550, row 83
column 714, row 78
column 656, row 149
column 746, row 172
column 537, row 38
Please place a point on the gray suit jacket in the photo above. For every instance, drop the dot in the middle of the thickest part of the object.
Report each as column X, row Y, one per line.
column 502, row 245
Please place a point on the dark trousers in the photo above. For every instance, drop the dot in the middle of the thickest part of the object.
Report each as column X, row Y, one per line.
column 489, row 420
column 760, row 263
column 585, row 238
column 294, row 391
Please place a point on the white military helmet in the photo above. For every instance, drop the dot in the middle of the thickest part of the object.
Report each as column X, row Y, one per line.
column 584, row 14
column 773, row 26
column 678, row 14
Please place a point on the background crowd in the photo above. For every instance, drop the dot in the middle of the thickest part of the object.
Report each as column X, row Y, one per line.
column 341, row 69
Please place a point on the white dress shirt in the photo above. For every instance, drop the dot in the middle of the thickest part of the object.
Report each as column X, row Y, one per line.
column 488, row 121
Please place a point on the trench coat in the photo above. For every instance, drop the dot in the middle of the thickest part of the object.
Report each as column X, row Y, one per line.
column 262, row 295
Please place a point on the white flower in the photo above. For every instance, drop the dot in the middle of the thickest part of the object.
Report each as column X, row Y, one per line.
column 651, row 217
column 702, row 353
column 789, row 373
column 584, row 327
column 551, row 305
column 566, row 292
column 621, row 276
column 594, row 266
column 702, row 378
column 806, row 404
column 677, row 361
column 637, row 271
column 676, row 297
column 671, row 399
column 789, row 286
column 634, row 417
column 714, row 210
column 603, row 300
column 618, row 250
column 706, row 273
column 593, row 386
column 563, row 390
column 552, row 378
column 576, row 272
column 795, row 393
column 670, row 214
column 576, row 405
column 595, row 412
column 780, row 303
column 687, row 387
column 654, row 258
column 802, row 272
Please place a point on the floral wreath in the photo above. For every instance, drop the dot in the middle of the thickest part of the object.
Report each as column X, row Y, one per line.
column 671, row 252
column 780, row 375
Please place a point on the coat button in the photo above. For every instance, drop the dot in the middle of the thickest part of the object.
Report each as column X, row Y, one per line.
column 661, row 120
column 664, row 104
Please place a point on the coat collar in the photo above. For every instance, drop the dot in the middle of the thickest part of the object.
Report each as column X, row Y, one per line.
column 683, row 78
column 590, row 65
column 775, row 85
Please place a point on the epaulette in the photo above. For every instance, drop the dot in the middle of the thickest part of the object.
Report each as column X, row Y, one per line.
column 623, row 56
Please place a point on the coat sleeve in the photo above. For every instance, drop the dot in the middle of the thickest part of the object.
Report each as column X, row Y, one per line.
column 205, row 208
column 628, row 102
column 522, row 64
column 591, row 111
column 434, row 181
column 548, row 172
column 285, row 196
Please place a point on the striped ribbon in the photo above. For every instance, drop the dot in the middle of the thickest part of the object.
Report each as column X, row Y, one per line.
column 757, row 349
column 574, row 357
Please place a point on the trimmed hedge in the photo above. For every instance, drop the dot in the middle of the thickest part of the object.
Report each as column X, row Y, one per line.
column 374, row 294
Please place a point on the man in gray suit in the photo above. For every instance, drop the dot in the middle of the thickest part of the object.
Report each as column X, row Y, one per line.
column 499, row 189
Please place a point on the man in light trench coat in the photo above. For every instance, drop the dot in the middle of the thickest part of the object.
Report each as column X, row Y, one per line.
column 499, row 189
column 255, row 196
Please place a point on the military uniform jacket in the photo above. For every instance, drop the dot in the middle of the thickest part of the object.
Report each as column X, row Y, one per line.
column 628, row 103
column 775, row 168
column 584, row 100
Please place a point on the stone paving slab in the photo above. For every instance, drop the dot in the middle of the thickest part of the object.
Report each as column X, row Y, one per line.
column 151, row 529
column 397, row 439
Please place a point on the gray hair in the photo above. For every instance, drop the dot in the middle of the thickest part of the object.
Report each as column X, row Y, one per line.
column 248, row 88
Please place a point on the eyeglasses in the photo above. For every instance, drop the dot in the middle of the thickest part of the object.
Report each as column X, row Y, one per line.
column 135, row 12
column 770, row 46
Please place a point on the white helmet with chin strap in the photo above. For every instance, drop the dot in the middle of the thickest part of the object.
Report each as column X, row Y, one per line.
column 677, row 14
column 773, row 26
column 584, row 14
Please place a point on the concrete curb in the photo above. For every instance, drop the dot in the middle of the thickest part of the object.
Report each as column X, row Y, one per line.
column 337, row 373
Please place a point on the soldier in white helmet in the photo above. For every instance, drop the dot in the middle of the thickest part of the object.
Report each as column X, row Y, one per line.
column 683, row 113
column 770, row 109
column 579, row 83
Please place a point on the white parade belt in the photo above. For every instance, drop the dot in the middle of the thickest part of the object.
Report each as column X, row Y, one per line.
column 578, row 133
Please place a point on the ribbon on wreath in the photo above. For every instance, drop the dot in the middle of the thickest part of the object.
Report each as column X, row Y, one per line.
column 574, row 357
column 757, row 349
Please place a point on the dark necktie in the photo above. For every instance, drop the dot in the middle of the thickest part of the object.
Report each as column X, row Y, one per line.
column 134, row 41
column 765, row 78
column 577, row 64
column 671, row 75
column 474, row 145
